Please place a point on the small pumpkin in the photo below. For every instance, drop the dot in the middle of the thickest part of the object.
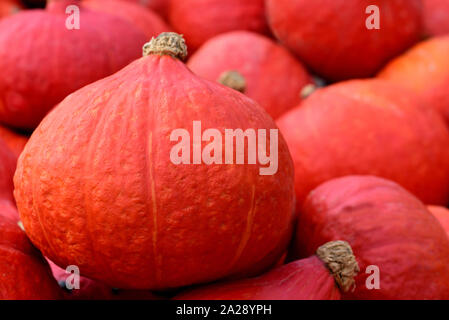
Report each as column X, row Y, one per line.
column 15, row 141
column 171, row 224
column 436, row 17
column 200, row 20
column 425, row 70
column 400, row 247
column 8, row 7
column 42, row 61
column 319, row 277
column 146, row 20
column 368, row 127
column 24, row 274
column 270, row 74
column 332, row 36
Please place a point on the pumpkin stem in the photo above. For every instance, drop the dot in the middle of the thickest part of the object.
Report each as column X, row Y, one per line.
column 233, row 79
column 307, row 90
column 339, row 259
column 167, row 44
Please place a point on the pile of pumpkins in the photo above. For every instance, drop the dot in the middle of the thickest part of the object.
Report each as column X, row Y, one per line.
column 92, row 93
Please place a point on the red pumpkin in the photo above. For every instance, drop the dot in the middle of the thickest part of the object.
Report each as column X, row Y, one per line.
column 388, row 229
column 200, row 20
column 24, row 274
column 272, row 76
column 159, row 6
column 16, row 142
column 112, row 175
column 313, row 278
column 94, row 290
column 145, row 20
column 8, row 7
column 425, row 70
column 7, row 168
column 368, row 127
column 332, row 38
column 41, row 61
column 442, row 215
column 436, row 17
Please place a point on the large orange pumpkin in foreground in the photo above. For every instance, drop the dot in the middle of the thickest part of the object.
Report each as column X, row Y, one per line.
column 332, row 37
column 200, row 20
column 98, row 184
column 42, row 61
column 368, row 127
column 425, row 70
column 271, row 75
column 402, row 250
column 24, row 274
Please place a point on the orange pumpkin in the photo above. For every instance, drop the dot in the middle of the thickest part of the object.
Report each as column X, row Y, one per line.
column 368, row 127
column 24, row 274
column 436, row 17
column 271, row 75
column 112, row 200
column 425, row 70
column 42, row 60
column 146, row 20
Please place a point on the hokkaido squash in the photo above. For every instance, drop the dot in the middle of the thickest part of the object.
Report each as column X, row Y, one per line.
column 368, row 127
column 41, row 61
column 200, row 20
column 146, row 20
column 425, row 70
column 332, row 37
column 94, row 290
column 319, row 277
column 401, row 248
column 8, row 7
column 271, row 75
column 442, row 215
column 436, row 17
column 7, row 168
column 24, row 274
column 15, row 141
column 159, row 6
column 112, row 187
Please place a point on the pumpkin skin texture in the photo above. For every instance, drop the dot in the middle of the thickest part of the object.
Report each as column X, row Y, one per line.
column 331, row 36
column 436, row 17
column 41, row 61
column 15, row 142
column 368, row 127
column 425, row 70
column 146, row 20
column 442, row 215
column 274, row 78
column 24, row 274
column 7, row 168
column 386, row 227
column 172, row 225
column 200, row 20
column 306, row 279
column 8, row 7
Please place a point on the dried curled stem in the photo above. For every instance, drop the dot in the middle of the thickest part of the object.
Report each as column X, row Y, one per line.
column 341, row 262
column 233, row 79
column 167, row 43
